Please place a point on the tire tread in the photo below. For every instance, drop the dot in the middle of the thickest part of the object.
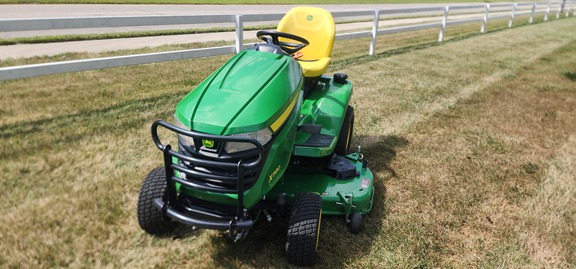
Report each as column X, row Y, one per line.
column 150, row 217
column 303, row 229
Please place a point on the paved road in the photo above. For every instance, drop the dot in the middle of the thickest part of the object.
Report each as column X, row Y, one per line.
column 55, row 11
column 51, row 11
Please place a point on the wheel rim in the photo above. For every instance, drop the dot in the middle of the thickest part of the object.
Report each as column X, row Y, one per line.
column 348, row 137
column 318, row 230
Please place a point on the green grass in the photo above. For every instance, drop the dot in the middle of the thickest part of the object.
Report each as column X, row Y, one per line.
column 83, row 37
column 233, row 2
column 472, row 144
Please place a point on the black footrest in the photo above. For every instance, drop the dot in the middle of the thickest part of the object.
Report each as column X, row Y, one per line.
column 318, row 140
column 310, row 128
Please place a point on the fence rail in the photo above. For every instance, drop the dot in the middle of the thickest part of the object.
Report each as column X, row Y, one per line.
column 475, row 13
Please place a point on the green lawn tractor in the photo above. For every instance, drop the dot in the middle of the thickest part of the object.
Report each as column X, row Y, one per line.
column 267, row 135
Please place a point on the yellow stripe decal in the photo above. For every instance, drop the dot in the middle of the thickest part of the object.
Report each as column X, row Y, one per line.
column 276, row 125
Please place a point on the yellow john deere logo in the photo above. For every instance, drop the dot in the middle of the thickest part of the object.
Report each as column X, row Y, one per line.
column 274, row 174
column 208, row 143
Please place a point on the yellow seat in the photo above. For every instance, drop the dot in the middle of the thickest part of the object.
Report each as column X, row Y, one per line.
column 317, row 26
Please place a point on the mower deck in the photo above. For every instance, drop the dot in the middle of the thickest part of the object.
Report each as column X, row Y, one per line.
column 342, row 193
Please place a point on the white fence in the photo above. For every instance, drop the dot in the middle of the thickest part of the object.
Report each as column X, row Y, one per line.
column 471, row 13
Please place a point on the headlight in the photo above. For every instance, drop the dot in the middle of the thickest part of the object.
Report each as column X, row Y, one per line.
column 262, row 136
column 185, row 140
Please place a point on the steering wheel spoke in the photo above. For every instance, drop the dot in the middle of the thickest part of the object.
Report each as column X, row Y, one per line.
column 273, row 37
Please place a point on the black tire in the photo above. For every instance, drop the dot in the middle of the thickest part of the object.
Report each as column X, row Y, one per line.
column 149, row 216
column 304, row 229
column 345, row 137
column 355, row 223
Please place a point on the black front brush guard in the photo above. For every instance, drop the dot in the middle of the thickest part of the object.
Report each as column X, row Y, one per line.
column 204, row 218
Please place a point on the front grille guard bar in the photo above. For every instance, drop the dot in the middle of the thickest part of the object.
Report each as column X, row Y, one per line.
column 240, row 167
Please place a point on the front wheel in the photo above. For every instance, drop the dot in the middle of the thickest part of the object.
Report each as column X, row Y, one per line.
column 355, row 223
column 150, row 217
column 304, row 229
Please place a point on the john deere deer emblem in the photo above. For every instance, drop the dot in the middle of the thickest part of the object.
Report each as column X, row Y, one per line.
column 208, row 143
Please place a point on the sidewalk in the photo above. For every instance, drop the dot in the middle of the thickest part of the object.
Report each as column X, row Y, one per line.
column 93, row 46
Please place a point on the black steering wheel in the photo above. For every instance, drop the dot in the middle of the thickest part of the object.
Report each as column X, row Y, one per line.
column 271, row 37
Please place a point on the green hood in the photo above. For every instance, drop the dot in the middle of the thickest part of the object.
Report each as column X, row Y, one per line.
column 247, row 94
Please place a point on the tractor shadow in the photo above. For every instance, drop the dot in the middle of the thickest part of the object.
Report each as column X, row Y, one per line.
column 265, row 245
column 570, row 75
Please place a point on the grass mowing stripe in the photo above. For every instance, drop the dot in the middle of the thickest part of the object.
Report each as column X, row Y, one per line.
column 551, row 208
column 122, row 113
column 430, row 83
column 465, row 173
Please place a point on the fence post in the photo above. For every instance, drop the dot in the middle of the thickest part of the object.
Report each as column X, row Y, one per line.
column 374, row 32
column 485, row 21
column 443, row 26
column 239, row 33
column 547, row 10
column 512, row 15
column 531, row 20
column 560, row 7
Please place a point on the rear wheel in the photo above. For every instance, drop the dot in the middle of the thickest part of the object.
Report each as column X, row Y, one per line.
column 345, row 137
column 304, row 229
column 149, row 216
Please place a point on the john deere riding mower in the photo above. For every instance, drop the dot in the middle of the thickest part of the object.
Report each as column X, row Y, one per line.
column 265, row 136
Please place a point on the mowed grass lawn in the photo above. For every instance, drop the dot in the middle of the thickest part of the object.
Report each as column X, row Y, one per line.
column 472, row 143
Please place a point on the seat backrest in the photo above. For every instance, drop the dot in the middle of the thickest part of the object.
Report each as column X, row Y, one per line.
column 315, row 25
